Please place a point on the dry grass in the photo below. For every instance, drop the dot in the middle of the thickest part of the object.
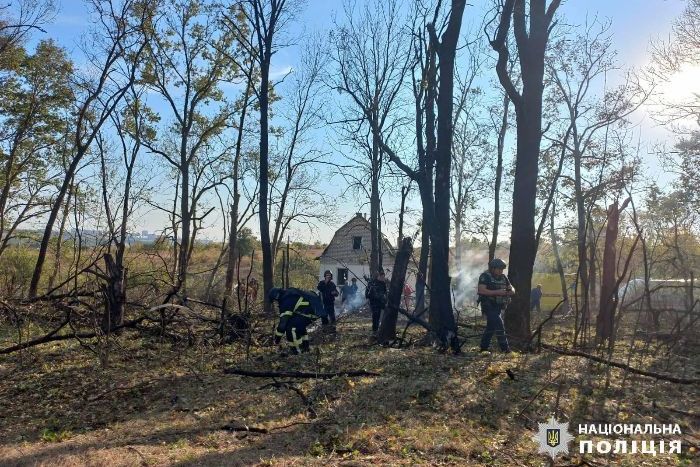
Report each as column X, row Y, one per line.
column 164, row 404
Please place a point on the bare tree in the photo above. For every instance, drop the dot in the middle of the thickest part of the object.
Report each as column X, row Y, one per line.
column 294, row 195
column 371, row 55
column 574, row 67
column 120, row 44
column 531, row 44
column 265, row 19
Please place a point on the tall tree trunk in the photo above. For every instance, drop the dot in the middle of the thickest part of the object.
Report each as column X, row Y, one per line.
column 426, row 158
column 263, row 215
column 375, row 240
column 557, row 258
column 499, row 177
column 53, row 214
column 233, row 233
column 531, row 40
column 441, row 316
column 608, row 286
column 59, row 240
column 185, row 215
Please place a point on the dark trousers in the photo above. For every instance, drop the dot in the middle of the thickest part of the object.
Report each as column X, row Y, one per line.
column 535, row 306
column 330, row 311
column 294, row 328
column 376, row 316
column 494, row 325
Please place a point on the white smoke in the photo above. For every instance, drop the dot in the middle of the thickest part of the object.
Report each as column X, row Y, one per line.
column 352, row 304
column 465, row 278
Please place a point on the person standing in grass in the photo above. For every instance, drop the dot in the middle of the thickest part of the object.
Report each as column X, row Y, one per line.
column 494, row 292
column 535, row 298
column 376, row 294
column 328, row 291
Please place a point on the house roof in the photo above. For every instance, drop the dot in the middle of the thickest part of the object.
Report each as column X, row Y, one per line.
column 340, row 247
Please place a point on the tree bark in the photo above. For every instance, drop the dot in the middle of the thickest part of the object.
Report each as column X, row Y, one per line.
column 499, row 176
column 608, row 286
column 441, row 316
column 387, row 328
column 114, row 293
column 263, row 215
column 531, row 40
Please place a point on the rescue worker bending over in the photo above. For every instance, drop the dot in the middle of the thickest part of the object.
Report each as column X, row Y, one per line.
column 296, row 314
column 494, row 292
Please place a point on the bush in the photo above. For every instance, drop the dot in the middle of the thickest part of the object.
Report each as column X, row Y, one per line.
column 16, row 267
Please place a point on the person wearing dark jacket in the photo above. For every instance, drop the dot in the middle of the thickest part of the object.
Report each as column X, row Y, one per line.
column 376, row 294
column 535, row 298
column 328, row 292
column 296, row 314
column 494, row 292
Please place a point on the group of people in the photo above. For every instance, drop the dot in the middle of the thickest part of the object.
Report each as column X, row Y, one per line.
column 298, row 308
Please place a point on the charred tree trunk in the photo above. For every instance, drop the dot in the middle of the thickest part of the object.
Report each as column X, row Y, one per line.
column 263, row 215
column 608, row 286
column 115, row 295
column 441, row 316
column 387, row 328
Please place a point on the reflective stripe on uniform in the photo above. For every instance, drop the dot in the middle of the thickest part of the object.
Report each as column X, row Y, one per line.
column 300, row 302
column 295, row 341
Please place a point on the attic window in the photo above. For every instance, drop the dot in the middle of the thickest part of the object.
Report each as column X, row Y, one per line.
column 356, row 243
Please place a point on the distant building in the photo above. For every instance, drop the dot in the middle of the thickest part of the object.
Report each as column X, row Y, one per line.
column 348, row 253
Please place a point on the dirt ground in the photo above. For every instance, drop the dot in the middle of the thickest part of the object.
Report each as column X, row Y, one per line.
column 159, row 403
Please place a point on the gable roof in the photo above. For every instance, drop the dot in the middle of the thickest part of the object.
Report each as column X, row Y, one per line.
column 340, row 247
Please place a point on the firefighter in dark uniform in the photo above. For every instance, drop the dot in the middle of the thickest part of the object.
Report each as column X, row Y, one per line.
column 376, row 294
column 328, row 291
column 296, row 314
column 494, row 291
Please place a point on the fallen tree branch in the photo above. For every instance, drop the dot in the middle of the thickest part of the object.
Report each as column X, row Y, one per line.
column 250, row 429
column 296, row 374
column 650, row 374
column 52, row 337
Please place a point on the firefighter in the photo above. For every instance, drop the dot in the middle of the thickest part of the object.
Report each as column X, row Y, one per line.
column 297, row 311
column 494, row 292
column 376, row 294
column 328, row 291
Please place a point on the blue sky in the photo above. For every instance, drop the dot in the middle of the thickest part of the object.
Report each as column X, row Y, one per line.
column 634, row 24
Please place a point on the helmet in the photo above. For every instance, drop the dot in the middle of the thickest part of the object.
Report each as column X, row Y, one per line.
column 497, row 263
column 274, row 294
